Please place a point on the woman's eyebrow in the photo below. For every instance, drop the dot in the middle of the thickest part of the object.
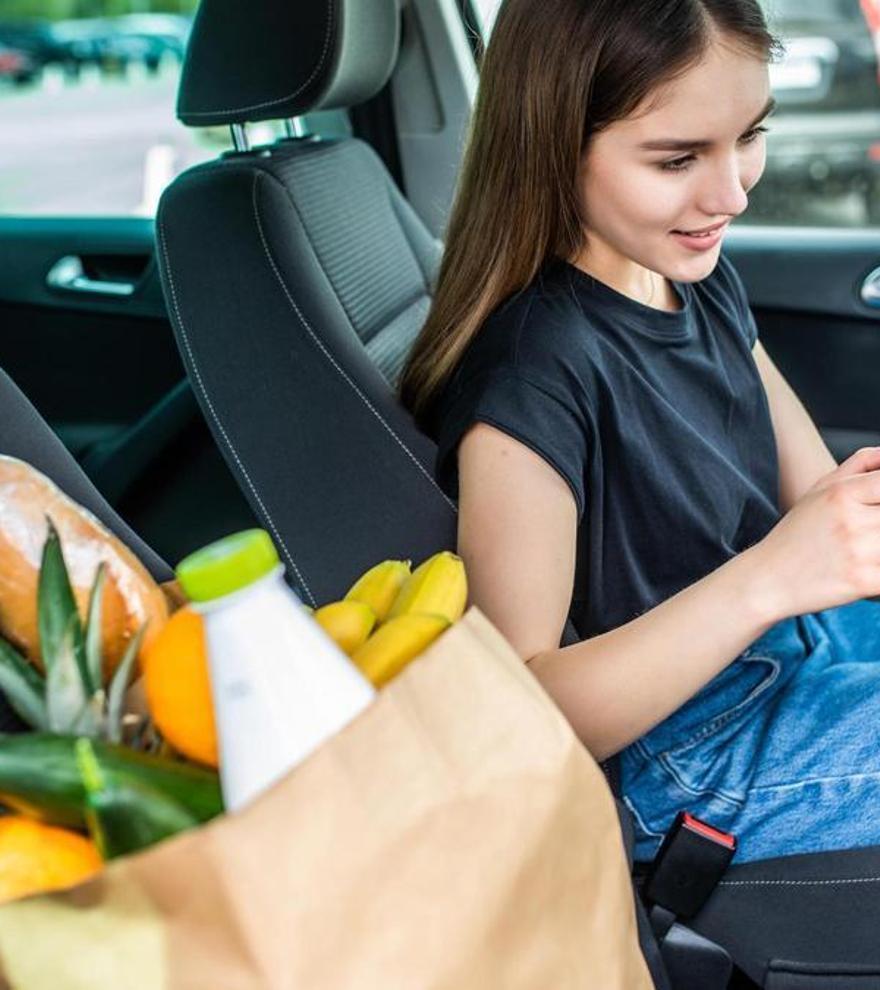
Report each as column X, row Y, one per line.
column 680, row 145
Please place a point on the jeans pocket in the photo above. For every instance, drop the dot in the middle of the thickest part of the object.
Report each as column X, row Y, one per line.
column 717, row 758
column 739, row 689
column 753, row 676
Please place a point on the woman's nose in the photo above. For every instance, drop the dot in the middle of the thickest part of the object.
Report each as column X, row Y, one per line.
column 724, row 192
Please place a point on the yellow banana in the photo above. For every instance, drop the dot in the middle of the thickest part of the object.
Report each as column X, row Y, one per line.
column 309, row 609
column 437, row 586
column 347, row 623
column 379, row 586
column 395, row 643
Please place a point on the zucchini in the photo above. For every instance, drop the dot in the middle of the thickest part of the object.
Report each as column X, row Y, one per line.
column 126, row 817
column 40, row 777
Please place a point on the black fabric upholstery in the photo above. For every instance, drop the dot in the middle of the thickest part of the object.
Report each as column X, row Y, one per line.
column 268, row 61
column 279, row 352
column 380, row 260
column 817, row 909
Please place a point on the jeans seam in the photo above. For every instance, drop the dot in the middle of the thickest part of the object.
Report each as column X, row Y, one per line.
column 640, row 821
column 720, row 721
column 736, row 802
column 771, row 788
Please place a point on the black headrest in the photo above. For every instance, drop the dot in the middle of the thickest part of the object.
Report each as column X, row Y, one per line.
column 251, row 60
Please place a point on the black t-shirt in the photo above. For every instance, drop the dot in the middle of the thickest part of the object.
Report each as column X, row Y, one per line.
column 658, row 421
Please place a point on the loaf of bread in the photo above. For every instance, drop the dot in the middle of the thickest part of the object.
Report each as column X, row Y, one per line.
column 131, row 596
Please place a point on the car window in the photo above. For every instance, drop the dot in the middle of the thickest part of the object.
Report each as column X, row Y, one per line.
column 823, row 145
column 87, row 105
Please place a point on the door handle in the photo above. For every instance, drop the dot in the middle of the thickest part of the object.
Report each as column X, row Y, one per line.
column 870, row 291
column 68, row 275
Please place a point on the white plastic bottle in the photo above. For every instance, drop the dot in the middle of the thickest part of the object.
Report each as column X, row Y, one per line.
column 280, row 684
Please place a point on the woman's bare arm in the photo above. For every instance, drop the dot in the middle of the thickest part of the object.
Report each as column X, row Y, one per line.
column 517, row 536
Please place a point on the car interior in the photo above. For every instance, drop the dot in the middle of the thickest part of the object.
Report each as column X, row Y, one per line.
column 233, row 363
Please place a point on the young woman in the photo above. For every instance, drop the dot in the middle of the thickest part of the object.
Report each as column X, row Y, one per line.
column 622, row 448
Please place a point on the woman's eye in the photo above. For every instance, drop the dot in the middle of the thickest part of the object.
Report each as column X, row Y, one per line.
column 678, row 164
column 682, row 164
column 751, row 135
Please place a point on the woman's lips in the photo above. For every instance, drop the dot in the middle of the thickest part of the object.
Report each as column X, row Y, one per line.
column 700, row 242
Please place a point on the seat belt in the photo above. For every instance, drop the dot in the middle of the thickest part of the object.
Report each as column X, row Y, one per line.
column 689, row 863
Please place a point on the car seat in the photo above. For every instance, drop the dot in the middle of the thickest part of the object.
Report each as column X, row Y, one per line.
column 297, row 277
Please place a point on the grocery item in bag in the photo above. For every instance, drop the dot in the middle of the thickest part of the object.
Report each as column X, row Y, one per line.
column 280, row 685
column 131, row 596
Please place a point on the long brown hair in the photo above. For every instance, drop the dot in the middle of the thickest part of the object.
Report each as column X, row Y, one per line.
column 555, row 73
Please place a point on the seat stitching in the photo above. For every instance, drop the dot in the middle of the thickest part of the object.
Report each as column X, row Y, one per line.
column 319, row 343
column 281, row 99
column 216, row 418
column 796, row 883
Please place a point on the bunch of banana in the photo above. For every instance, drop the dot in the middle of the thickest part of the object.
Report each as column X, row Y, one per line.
column 392, row 613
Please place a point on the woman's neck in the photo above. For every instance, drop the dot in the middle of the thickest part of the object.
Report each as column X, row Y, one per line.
column 632, row 280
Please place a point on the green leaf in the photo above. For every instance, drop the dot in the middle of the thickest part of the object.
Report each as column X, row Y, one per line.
column 90, row 721
column 119, row 685
column 57, row 615
column 93, row 629
column 66, row 697
column 87, row 763
column 23, row 686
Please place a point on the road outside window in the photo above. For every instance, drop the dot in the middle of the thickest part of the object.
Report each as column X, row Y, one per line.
column 823, row 148
column 87, row 104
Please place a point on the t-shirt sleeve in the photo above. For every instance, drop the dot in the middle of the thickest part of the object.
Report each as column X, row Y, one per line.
column 741, row 300
column 525, row 409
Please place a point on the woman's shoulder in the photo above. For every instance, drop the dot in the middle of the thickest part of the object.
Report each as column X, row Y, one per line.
column 530, row 331
column 527, row 338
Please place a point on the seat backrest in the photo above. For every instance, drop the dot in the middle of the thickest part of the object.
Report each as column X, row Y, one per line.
column 297, row 277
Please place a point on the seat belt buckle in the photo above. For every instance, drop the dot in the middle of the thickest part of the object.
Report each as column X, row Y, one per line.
column 689, row 863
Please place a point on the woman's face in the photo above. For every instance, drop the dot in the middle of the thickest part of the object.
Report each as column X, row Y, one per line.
column 684, row 165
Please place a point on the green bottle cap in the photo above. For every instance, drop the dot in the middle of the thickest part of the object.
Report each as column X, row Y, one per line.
column 227, row 565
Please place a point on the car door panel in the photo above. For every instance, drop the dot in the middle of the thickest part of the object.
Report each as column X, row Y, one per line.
column 92, row 364
column 103, row 369
column 804, row 289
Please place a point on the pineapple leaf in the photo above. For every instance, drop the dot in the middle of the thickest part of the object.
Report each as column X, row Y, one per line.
column 90, row 721
column 93, row 628
column 66, row 698
column 57, row 615
column 23, row 686
column 118, row 687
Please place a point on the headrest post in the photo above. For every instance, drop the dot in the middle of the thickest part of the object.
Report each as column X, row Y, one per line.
column 239, row 137
column 295, row 127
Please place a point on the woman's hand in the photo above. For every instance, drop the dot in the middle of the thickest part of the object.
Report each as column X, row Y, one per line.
column 826, row 550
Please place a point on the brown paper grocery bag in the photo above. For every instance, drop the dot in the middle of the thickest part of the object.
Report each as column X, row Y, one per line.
column 455, row 835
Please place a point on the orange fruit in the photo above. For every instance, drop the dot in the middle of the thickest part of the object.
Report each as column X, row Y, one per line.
column 178, row 688
column 35, row 857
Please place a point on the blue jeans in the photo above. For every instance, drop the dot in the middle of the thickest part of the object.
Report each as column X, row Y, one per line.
column 782, row 748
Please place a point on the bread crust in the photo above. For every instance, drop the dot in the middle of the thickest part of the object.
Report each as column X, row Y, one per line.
column 131, row 596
